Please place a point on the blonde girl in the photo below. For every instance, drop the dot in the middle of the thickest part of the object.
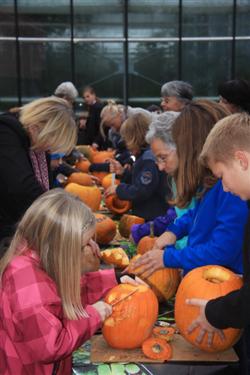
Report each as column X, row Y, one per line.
column 49, row 307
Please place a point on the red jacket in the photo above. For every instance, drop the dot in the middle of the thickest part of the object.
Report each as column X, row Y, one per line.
column 34, row 334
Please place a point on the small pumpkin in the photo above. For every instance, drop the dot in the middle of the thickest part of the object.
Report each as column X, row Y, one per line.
column 132, row 319
column 116, row 256
column 81, row 179
column 102, row 156
column 157, row 348
column 83, row 165
column 165, row 333
column 105, row 229
column 116, row 205
column 90, row 262
column 207, row 282
column 107, row 181
column 146, row 243
column 90, row 195
column 164, row 282
column 126, row 223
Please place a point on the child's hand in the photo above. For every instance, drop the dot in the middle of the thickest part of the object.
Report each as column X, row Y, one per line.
column 149, row 262
column 104, row 309
column 109, row 191
column 115, row 167
column 167, row 238
column 128, row 280
column 95, row 248
column 202, row 323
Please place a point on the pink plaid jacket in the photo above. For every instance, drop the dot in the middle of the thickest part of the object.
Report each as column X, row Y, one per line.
column 33, row 331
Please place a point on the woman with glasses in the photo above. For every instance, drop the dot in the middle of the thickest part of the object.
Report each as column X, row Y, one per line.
column 215, row 225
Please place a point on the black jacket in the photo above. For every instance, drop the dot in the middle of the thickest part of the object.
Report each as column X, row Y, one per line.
column 18, row 184
column 146, row 187
column 92, row 132
column 233, row 310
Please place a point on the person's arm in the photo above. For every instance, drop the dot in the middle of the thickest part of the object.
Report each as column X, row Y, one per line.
column 222, row 247
column 181, row 226
column 231, row 310
column 48, row 338
column 98, row 284
column 143, row 187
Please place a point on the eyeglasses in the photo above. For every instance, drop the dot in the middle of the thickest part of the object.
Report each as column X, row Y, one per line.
column 163, row 158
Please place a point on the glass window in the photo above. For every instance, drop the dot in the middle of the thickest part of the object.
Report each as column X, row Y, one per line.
column 150, row 65
column 205, row 65
column 153, row 19
column 43, row 67
column 207, row 18
column 243, row 18
column 98, row 18
column 8, row 75
column 100, row 65
column 242, row 54
column 7, row 19
column 44, row 18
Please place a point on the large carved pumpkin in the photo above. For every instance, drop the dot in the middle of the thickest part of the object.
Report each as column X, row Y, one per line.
column 107, row 181
column 105, row 229
column 146, row 243
column 102, row 156
column 90, row 195
column 116, row 256
column 164, row 282
column 81, row 179
column 116, row 205
column 126, row 223
column 132, row 319
column 205, row 282
column 83, row 165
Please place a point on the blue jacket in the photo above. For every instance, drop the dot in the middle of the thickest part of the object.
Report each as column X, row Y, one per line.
column 215, row 229
column 146, row 187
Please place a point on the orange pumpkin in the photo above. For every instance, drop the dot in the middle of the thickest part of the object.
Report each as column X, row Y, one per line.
column 81, row 179
column 105, row 229
column 100, row 175
column 90, row 262
column 107, row 181
column 157, row 348
column 116, row 256
column 116, row 205
column 146, row 243
column 90, row 195
column 132, row 319
column 126, row 223
column 83, row 165
column 205, row 282
column 164, row 282
column 102, row 156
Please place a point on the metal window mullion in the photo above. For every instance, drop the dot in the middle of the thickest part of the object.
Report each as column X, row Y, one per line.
column 18, row 57
column 72, row 44
column 125, row 53
column 233, row 41
column 180, row 40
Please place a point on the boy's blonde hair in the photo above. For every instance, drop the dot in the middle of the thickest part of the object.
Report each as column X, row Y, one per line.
column 134, row 130
column 54, row 226
column 109, row 112
column 54, row 119
column 228, row 135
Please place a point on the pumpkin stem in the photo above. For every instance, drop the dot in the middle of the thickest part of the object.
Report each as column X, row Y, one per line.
column 216, row 275
column 151, row 228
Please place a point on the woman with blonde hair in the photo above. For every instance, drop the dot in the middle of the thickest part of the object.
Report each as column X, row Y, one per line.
column 45, row 126
column 145, row 186
column 49, row 304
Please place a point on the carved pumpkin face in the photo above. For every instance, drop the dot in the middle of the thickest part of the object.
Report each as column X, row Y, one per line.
column 116, row 205
column 205, row 282
column 132, row 319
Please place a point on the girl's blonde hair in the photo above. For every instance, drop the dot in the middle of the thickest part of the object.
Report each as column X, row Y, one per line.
column 109, row 112
column 54, row 226
column 55, row 122
column 134, row 131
